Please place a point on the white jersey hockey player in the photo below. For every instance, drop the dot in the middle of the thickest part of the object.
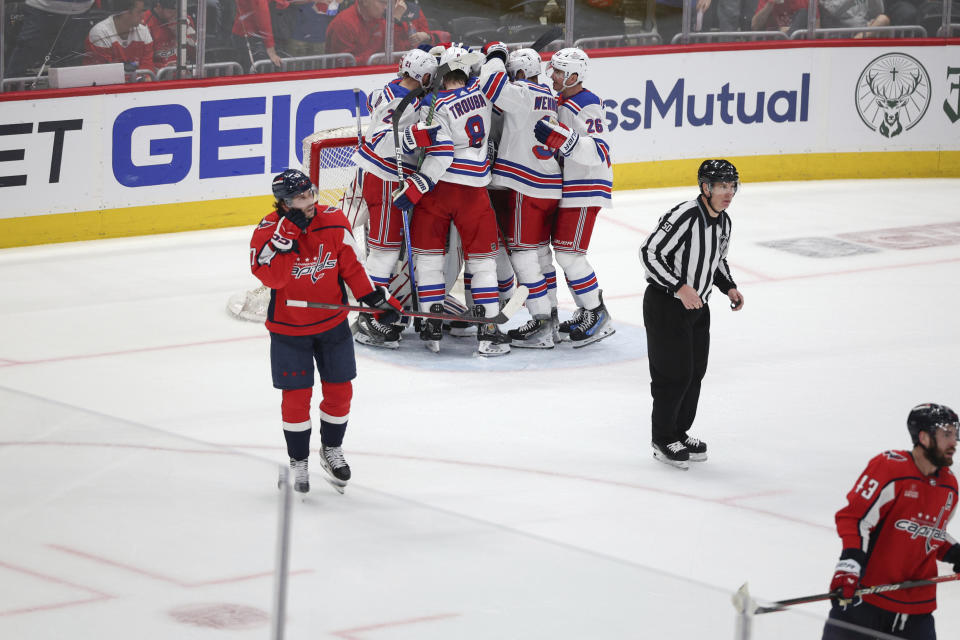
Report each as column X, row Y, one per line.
column 451, row 188
column 376, row 162
column 587, row 183
column 532, row 175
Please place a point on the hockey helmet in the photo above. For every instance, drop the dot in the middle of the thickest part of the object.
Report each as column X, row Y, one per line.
column 569, row 61
column 526, row 60
column 418, row 64
column 290, row 184
column 930, row 417
column 457, row 58
column 712, row 171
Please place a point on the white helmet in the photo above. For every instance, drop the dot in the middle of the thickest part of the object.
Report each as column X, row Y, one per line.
column 526, row 60
column 570, row 60
column 417, row 64
column 459, row 59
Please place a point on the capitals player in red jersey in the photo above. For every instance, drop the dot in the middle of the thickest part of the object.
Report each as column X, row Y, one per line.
column 531, row 174
column 894, row 529
column 587, row 183
column 377, row 160
column 304, row 253
column 451, row 188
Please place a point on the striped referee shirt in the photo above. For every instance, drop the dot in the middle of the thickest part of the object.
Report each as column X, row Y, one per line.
column 689, row 247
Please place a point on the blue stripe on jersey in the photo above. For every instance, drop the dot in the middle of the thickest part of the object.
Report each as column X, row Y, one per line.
column 537, row 87
column 494, row 86
column 546, row 177
column 586, row 194
column 591, row 182
column 530, row 183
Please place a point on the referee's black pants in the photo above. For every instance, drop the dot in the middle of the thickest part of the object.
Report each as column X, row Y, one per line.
column 678, row 345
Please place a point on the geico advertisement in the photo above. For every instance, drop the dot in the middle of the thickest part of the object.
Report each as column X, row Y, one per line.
column 188, row 145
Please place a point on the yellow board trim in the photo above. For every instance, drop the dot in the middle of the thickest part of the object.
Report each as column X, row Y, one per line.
column 796, row 166
column 232, row 212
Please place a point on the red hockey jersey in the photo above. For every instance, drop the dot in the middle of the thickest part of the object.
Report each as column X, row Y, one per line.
column 898, row 517
column 324, row 257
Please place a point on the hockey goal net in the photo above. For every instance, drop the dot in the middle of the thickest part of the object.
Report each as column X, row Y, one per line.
column 328, row 160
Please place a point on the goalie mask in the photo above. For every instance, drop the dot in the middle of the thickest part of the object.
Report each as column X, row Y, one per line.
column 458, row 59
column 526, row 60
column 419, row 65
column 570, row 61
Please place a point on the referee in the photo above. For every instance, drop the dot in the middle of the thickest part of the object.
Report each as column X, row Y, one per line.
column 683, row 259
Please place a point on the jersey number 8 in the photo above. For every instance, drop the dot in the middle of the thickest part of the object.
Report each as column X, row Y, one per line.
column 475, row 131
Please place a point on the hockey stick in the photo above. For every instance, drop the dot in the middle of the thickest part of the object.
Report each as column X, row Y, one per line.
column 405, row 213
column 513, row 305
column 549, row 36
column 356, row 100
column 780, row 605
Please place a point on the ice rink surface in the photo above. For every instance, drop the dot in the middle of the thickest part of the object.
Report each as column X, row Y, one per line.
column 502, row 498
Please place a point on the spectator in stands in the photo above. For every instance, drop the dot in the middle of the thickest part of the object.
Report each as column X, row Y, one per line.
column 253, row 31
column 161, row 20
column 301, row 28
column 907, row 12
column 122, row 38
column 853, row 13
column 731, row 15
column 47, row 30
column 780, row 15
column 360, row 29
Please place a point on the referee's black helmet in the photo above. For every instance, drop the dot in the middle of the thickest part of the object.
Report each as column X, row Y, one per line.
column 717, row 171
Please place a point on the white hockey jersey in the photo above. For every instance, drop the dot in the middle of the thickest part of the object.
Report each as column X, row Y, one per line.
column 523, row 164
column 588, row 170
column 377, row 154
column 465, row 117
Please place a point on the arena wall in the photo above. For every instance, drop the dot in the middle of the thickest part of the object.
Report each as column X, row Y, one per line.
column 175, row 156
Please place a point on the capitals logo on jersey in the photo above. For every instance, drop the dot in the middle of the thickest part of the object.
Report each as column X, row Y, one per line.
column 315, row 267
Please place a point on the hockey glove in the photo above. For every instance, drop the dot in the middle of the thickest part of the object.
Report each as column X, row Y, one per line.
column 846, row 577
column 412, row 190
column 291, row 225
column 556, row 135
column 953, row 556
column 495, row 49
column 419, row 135
column 390, row 307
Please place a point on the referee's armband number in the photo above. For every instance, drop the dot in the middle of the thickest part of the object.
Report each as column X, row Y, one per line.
column 866, row 487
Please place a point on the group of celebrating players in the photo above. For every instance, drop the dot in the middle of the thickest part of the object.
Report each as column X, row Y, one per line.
column 497, row 169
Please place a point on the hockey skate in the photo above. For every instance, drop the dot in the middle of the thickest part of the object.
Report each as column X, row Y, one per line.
column 673, row 453
column 490, row 340
column 564, row 328
column 696, row 448
column 301, row 476
column 374, row 333
column 461, row 329
column 432, row 330
column 338, row 471
column 593, row 326
column 537, row 333
column 555, row 324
